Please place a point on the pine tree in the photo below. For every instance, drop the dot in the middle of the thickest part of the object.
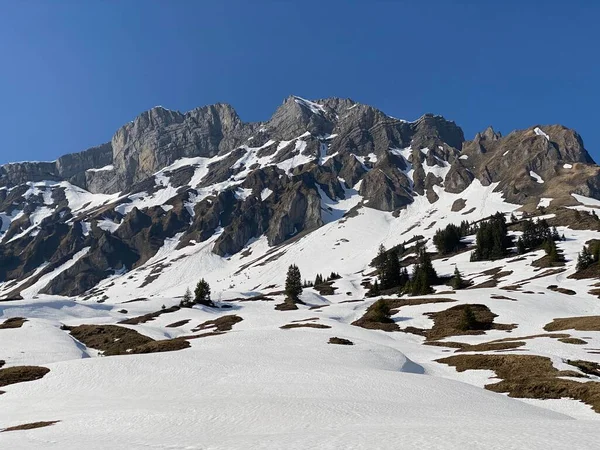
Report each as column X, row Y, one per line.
column 293, row 283
column 318, row 280
column 380, row 312
column 423, row 276
column 404, row 278
column 374, row 289
column 202, row 293
column 584, row 259
column 595, row 251
column 457, row 281
column 492, row 240
column 468, row 321
column 391, row 271
column 186, row 301
column 552, row 251
column 521, row 247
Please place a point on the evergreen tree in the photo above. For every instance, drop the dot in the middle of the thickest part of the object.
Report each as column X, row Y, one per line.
column 595, row 251
column 468, row 321
column 521, row 247
column 293, row 283
column 318, row 280
column 186, row 301
column 374, row 289
column 584, row 259
column 552, row 251
column 379, row 312
column 391, row 271
column 202, row 293
column 404, row 278
column 492, row 240
column 381, row 258
column 423, row 276
column 457, row 281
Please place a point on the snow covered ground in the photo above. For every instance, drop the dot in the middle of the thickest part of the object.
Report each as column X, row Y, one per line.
column 260, row 386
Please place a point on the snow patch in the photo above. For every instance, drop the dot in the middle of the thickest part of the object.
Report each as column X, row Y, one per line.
column 102, row 169
column 544, row 202
column 539, row 132
column 536, row 176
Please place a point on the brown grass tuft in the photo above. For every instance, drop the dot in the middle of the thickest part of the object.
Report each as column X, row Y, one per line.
column 377, row 316
column 13, row 322
column 582, row 323
column 148, row 317
column 168, row 345
column 223, row 323
column 529, row 376
column 555, row 288
column 572, row 340
column 304, row 325
column 30, row 426
column 340, row 341
column 21, row 374
column 450, row 322
column 115, row 340
column 179, row 323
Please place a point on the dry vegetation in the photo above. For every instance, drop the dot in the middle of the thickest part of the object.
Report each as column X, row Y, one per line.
column 287, row 305
column 377, row 316
column 21, row 374
column 13, row 322
column 502, row 297
column 304, row 325
column 582, row 323
column 340, row 341
column 326, row 288
column 529, row 376
column 167, row 345
column 222, row 324
column 572, row 340
column 555, row 288
column 30, row 426
column 179, row 323
column 115, row 340
column 498, row 344
column 450, row 322
column 148, row 317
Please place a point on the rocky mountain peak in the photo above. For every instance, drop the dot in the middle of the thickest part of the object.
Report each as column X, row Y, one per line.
column 205, row 176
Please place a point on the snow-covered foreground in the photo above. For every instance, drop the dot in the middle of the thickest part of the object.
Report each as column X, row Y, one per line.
column 260, row 386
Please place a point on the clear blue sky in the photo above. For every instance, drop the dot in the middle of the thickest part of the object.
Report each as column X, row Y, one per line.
column 71, row 73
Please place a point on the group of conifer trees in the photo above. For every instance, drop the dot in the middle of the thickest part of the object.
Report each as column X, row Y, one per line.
column 391, row 274
column 448, row 240
column 201, row 296
column 588, row 256
column 492, row 240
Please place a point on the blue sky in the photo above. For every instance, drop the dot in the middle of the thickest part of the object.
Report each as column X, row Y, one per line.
column 72, row 73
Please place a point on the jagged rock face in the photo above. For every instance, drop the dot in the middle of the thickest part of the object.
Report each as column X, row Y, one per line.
column 298, row 210
column 511, row 160
column 70, row 167
column 458, row 178
column 206, row 175
column 159, row 137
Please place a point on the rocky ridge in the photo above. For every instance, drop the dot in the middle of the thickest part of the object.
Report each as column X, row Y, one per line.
column 206, row 174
